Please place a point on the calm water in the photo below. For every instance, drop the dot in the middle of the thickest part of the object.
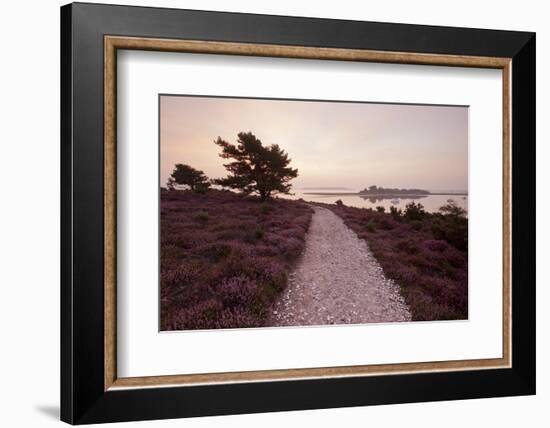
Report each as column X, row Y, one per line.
column 431, row 202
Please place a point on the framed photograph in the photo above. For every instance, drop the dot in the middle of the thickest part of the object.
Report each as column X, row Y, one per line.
column 265, row 213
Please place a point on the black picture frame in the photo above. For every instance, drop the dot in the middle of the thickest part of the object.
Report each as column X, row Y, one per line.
column 83, row 398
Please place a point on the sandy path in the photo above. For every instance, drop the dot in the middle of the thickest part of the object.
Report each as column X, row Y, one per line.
column 337, row 281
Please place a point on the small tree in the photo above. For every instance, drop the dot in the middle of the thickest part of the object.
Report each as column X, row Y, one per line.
column 395, row 212
column 256, row 168
column 185, row 175
column 414, row 211
column 452, row 209
column 171, row 184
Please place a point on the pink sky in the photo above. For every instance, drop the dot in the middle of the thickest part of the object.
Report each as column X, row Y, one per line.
column 332, row 144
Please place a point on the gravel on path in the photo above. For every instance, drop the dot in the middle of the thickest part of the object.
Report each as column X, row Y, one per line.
column 337, row 281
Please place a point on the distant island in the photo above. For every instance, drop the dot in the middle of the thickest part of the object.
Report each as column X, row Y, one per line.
column 378, row 191
column 375, row 191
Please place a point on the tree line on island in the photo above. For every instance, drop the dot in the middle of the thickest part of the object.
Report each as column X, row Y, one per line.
column 253, row 169
column 375, row 190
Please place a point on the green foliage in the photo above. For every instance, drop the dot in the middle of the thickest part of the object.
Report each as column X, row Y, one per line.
column 254, row 235
column 385, row 224
column 185, row 175
column 170, row 184
column 265, row 208
column 408, row 245
column 201, row 187
column 453, row 229
column 451, row 225
column 396, row 213
column 255, row 168
column 370, row 226
column 259, row 233
column 452, row 209
column 215, row 252
column 414, row 211
column 201, row 216
column 416, row 224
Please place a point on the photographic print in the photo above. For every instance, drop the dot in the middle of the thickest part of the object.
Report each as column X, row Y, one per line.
column 283, row 212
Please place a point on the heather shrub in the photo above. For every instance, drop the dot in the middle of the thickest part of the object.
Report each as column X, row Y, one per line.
column 291, row 247
column 370, row 226
column 223, row 263
column 267, row 250
column 385, row 224
column 229, row 234
column 380, row 209
column 176, row 279
column 452, row 229
column 214, row 252
column 259, row 233
column 236, row 264
column 202, row 314
column 237, row 316
column 254, row 235
column 201, row 216
column 452, row 209
column 402, row 273
column 416, row 224
column 407, row 245
column 456, row 258
column 435, row 245
column 237, row 291
column 273, row 280
column 265, row 207
column 396, row 213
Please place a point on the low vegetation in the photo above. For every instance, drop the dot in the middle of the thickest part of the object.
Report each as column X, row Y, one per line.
column 225, row 257
column 425, row 253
